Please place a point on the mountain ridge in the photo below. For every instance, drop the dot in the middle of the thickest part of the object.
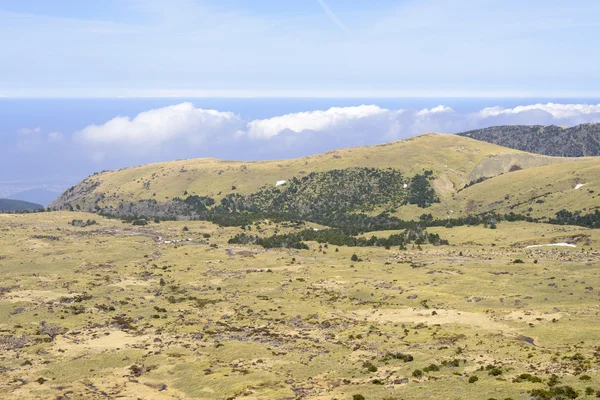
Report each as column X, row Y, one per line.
column 455, row 166
column 18, row 205
column 454, row 160
column 577, row 141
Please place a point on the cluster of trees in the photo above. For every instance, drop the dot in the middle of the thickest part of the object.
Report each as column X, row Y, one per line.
column 416, row 234
column 565, row 217
column 319, row 193
column 337, row 198
column 82, row 224
column 420, row 191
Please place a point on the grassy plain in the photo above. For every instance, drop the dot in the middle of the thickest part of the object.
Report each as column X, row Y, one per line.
column 166, row 311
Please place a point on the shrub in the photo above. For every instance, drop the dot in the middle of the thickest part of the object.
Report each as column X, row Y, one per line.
column 417, row 373
column 559, row 392
column 453, row 363
column 51, row 330
column 13, row 342
column 473, row 379
column 398, row 356
column 527, row 378
column 369, row 366
column 431, row 368
column 515, row 167
column 82, row 224
column 358, row 397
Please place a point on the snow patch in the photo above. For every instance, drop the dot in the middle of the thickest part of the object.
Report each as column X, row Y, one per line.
column 580, row 186
column 551, row 245
column 280, row 183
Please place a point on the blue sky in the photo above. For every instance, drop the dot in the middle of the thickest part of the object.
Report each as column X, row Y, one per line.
column 322, row 48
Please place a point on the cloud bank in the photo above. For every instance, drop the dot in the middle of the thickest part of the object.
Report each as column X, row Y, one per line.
column 184, row 126
column 155, row 127
column 317, row 121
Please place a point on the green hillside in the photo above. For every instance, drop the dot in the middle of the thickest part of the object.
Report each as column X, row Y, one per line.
column 541, row 191
column 454, row 161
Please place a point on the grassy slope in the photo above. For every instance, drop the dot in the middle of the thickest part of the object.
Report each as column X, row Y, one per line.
column 529, row 189
column 455, row 161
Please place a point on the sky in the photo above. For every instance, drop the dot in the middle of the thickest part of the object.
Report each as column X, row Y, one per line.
column 308, row 48
column 90, row 85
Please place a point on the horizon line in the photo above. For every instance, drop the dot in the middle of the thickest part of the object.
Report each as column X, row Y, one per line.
column 250, row 94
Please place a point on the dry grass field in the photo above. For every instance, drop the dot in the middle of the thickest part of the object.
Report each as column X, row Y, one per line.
column 171, row 311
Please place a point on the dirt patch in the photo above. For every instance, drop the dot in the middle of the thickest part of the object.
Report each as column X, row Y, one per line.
column 130, row 282
column 97, row 342
column 532, row 317
column 425, row 316
column 35, row 296
column 330, row 284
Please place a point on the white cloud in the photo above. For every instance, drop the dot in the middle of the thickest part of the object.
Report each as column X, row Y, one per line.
column 539, row 114
column 363, row 120
column 435, row 110
column 28, row 131
column 315, row 121
column 177, row 131
column 558, row 111
column 387, row 124
column 155, row 127
column 55, row 137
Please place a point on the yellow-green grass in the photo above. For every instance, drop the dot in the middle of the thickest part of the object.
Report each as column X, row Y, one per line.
column 545, row 190
column 455, row 161
column 254, row 324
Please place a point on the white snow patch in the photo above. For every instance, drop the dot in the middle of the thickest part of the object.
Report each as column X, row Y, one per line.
column 580, row 186
column 405, row 185
column 280, row 183
column 552, row 245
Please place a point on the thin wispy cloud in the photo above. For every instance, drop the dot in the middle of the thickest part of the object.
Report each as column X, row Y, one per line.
column 334, row 17
column 400, row 49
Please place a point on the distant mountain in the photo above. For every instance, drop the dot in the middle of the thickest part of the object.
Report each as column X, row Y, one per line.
column 37, row 196
column 578, row 141
column 18, row 205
